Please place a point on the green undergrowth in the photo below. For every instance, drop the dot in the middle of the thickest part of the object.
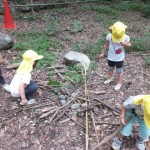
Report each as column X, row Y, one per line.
column 40, row 43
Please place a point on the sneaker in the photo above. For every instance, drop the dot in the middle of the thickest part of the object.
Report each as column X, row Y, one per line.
column 31, row 101
column 108, row 81
column 117, row 87
column 6, row 87
column 140, row 144
column 116, row 145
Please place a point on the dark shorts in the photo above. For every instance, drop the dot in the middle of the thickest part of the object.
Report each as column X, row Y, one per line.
column 118, row 65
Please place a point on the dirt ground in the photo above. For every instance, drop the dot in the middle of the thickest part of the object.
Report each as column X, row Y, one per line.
column 21, row 127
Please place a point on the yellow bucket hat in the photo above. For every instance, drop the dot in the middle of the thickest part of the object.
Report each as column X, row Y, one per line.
column 118, row 32
column 28, row 60
column 145, row 100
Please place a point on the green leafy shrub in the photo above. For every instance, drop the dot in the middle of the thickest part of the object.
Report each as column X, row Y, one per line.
column 91, row 50
column 126, row 6
column 102, row 9
column 147, row 61
column 76, row 26
column 140, row 44
column 146, row 10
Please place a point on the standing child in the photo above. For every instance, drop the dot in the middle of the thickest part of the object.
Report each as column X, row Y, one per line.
column 2, row 80
column 116, row 40
column 138, row 109
column 21, row 85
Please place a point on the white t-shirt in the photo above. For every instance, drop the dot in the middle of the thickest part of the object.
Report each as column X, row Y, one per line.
column 112, row 56
column 15, row 83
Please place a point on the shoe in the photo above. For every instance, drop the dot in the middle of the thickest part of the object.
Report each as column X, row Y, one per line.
column 140, row 144
column 117, row 87
column 6, row 87
column 116, row 145
column 31, row 101
column 108, row 81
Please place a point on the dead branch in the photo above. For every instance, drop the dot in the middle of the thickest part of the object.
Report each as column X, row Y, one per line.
column 100, row 92
column 74, row 120
column 116, row 124
column 59, row 75
column 13, row 66
column 55, row 67
column 52, row 111
column 53, row 116
column 107, row 106
column 108, row 138
column 92, row 116
column 48, row 113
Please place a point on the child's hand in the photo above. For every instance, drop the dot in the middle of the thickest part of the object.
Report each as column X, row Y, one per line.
column 24, row 101
column 1, row 59
column 123, row 43
column 123, row 121
column 102, row 55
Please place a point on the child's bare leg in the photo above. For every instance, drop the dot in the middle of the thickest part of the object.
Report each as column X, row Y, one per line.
column 110, row 76
column 110, row 73
column 120, row 78
column 148, row 145
column 120, row 136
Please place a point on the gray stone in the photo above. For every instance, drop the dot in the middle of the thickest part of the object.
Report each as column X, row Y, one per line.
column 63, row 102
column 62, row 97
column 6, row 41
column 73, row 58
column 75, row 106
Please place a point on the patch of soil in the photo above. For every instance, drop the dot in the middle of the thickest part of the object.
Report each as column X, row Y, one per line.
column 21, row 128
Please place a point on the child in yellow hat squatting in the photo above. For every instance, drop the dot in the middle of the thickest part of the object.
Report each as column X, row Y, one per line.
column 116, row 40
column 21, row 85
column 137, row 108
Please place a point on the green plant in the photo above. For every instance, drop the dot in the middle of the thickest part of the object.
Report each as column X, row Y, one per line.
column 62, row 10
column 147, row 61
column 76, row 26
column 29, row 17
column 101, row 9
column 54, row 83
column 52, row 24
column 127, row 6
column 140, row 44
column 40, row 42
column 146, row 10
column 91, row 50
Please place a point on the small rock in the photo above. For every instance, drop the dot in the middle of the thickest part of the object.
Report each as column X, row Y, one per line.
column 75, row 106
column 84, row 105
column 63, row 102
column 24, row 144
column 62, row 97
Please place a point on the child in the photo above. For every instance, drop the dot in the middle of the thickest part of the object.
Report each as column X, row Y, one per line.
column 138, row 109
column 2, row 80
column 116, row 40
column 21, row 85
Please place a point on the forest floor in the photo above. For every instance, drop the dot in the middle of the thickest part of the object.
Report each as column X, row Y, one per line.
column 22, row 127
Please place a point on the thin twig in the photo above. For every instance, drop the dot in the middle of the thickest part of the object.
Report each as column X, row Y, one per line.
column 117, row 111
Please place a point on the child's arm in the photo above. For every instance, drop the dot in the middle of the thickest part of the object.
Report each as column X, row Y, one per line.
column 122, row 116
column 1, row 58
column 125, row 44
column 22, row 92
column 105, row 47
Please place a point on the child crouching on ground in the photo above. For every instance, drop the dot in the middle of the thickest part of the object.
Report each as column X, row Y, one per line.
column 138, row 109
column 21, row 85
